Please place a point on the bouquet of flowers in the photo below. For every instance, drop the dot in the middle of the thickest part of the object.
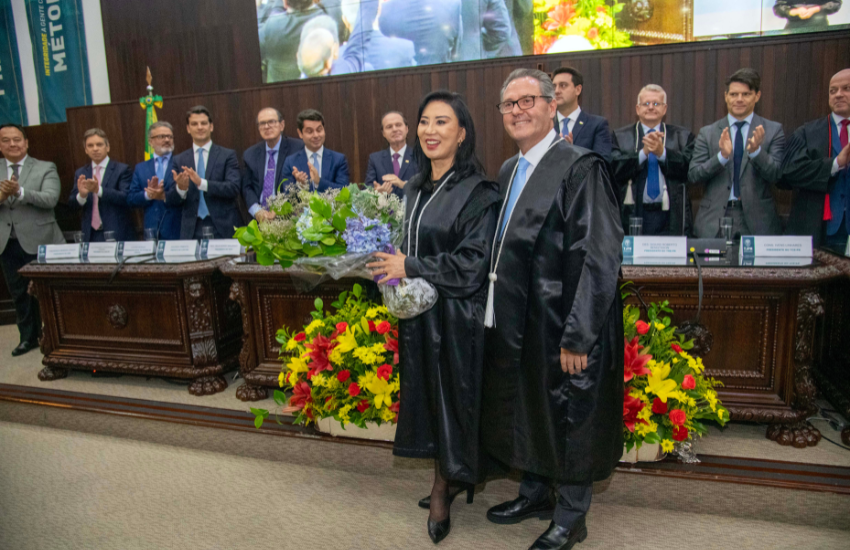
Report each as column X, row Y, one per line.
column 333, row 232
column 342, row 365
column 667, row 397
column 575, row 25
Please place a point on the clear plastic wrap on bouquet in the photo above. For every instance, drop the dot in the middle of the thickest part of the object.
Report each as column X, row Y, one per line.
column 409, row 298
column 308, row 273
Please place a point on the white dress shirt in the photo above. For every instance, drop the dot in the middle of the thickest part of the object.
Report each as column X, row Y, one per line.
column 204, row 184
column 837, row 119
column 400, row 154
column 573, row 118
column 9, row 173
column 642, row 157
column 535, row 154
column 84, row 200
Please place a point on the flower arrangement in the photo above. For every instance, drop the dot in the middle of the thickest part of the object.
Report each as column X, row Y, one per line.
column 667, row 397
column 575, row 25
column 342, row 365
column 332, row 223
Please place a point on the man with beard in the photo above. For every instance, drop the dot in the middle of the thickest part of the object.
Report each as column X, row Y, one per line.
column 553, row 379
column 147, row 190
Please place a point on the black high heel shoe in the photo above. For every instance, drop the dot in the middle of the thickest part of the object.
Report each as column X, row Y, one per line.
column 470, row 494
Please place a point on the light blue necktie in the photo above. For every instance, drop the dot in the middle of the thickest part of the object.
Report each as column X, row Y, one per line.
column 565, row 130
column 317, row 167
column 653, row 182
column 516, row 189
column 160, row 168
column 203, row 211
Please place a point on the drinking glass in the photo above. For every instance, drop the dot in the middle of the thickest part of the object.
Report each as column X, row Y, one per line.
column 726, row 228
column 150, row 234
column 635, row 226
column 78, row 236
column 207, row 233
column 109, row 236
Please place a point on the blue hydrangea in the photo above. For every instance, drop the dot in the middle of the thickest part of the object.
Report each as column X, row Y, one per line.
column 363, row 235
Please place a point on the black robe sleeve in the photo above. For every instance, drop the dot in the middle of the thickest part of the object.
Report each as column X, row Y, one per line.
column 679, row 159
column 592, row 252
column 802, row 170
column 460, row 272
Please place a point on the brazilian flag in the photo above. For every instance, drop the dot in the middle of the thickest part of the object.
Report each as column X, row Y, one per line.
column 150, row 103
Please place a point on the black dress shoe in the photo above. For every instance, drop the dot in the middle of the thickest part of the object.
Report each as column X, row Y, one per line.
column 519, row 509
column 561, row 538
column 438, row 530
column 470, row 494
column 23, row 348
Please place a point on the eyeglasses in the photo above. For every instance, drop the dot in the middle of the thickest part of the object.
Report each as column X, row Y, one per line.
column 649, row 104
column 163, row 137
column 267, row 123
column 525, row 103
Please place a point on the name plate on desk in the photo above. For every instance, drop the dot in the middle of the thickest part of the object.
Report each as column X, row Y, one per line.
column 165, row 249
column 655, row 247
column 136, row 248
column 646, row 260
column 765, row 261
column 48, row 252
column 99, row 252
column 775, row 246
column 216, row 248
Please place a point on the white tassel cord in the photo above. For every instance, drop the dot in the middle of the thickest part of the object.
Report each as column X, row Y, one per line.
column 489, row 314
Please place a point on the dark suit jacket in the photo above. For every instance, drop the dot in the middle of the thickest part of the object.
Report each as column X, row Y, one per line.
column 434, row 27
column 627, row 171
column 381, row 164
column 114, row 212
column 487, row 22
column 222, row 175
column 280, row 37
column 254, row 169
column 165, row 219
column 591, row 132
column 334, row 169
column 806, row 168
column 383, row 52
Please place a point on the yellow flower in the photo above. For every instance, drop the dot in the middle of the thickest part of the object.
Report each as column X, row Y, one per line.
column 660, row 326
column 291, row 344
column 666, row 445
column 313, row 326
column 335, row 356
column 645, row 413
column 346, row 341
column 644, row 429
column 343, row 414
column 298, row 364
column 319, row 380
column 373, row 312
column 387, row 415
column 657, row 383
column 382, row 390
column 280, row 378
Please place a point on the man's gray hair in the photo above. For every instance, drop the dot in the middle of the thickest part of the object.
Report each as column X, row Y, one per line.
column 652, row 88
column 95, row 132
column 547, row 88
column 159, row 124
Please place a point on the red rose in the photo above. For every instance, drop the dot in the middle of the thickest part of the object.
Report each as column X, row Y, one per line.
column 300, row 337
column 353, row 390
column 680, row 433
column 676, row 347
column 385, row 371
column 362, row 406
column 678, row 417
column 384, row 327
column 371, row 326
column 642, row 328
column 659, row 406
column 341, row 327
column 689, row 383
column 343, row 375
column 593, row 33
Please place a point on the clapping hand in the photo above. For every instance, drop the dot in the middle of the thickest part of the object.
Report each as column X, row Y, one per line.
column 755, row 142
column 726, row 143
column 7, row 189
column 264, row 215
column 314, row 174
column 385, row 187
column 196, row 179
column 572, row 363
column 181, row 179
column 155, row 189
column 301, row 177
column 804, row 12
column 569, row 138
column 653, row 143
column 82, row 186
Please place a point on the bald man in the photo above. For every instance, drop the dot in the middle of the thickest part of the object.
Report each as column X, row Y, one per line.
column 815, row 166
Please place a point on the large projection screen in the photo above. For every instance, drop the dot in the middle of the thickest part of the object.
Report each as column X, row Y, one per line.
column 309, row 38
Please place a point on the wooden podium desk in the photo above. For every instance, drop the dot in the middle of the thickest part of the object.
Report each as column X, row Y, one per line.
column 171, row 320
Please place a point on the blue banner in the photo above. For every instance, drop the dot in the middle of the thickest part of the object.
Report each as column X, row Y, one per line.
column 12, row 107
column 61, row 59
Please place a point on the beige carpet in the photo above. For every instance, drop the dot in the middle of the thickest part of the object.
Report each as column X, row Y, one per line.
column 87, row 481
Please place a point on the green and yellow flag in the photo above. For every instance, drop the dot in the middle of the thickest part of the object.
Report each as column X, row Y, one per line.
column 149, row 103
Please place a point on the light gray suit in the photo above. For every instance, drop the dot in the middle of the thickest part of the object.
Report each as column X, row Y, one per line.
column 32, row 215
column 757, row 176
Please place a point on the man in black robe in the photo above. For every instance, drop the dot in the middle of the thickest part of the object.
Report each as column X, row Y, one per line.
column 553, row 381
column 815, row 166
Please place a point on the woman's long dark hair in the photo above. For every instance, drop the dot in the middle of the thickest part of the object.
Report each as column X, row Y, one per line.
column 466, row 161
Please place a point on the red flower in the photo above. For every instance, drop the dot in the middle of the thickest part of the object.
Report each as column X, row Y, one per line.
column 341, row 327
column 642, row 328
column 559, row 17
column 300, row 337
column 362, row 406
column 371, row 326
column 634, row 364
column 601, row 9
column 659, row 406
column 384, row 327
column 300, row 397
column 319, row 350
column 592, row 33
column 676, row 347
column 680, row 433
column 392, row 345
column 678, row 417
column 385, row 371
column 631, row 407
column 353, row 390
column 689, row 383
column 543, row 43
column 394, row 408
column 309, row 413
column 343, row 375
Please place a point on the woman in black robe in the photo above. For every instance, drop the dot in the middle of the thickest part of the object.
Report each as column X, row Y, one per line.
column 453, row 211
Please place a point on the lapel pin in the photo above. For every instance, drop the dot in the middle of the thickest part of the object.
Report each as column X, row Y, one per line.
column 407, row 161
column 581, row 123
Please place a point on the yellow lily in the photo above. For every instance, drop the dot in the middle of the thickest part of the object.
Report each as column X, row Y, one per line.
column 657, row 383
column 346, row 341
column 382, row 390
column 297, row 364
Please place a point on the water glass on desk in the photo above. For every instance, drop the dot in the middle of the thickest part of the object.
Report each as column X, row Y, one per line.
column 78, row 237
column 150, row 234
column 109, row 236
column 207, row 233
column 635, row 226
column 726, row 228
